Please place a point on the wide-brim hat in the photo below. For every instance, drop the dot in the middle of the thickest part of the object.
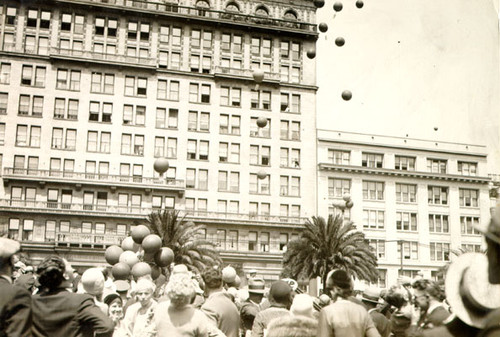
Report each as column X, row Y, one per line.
column 492, row 229
column 122, row 285
column 371, row 295
column 8, row 248
column 256, row 285
column 468, row 291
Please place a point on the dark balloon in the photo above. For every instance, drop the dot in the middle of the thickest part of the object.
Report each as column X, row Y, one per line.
column 323, row 27
column 311, row 53
column 319, row 3
column 359, row 4
column 337, row 6
column 346, row 95
column 339, row 41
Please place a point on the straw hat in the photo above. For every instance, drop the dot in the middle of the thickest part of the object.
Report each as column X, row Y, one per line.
column 371, row 295
column 93, row 281
column 256, row 285
column 468, row 291
column 8, row 248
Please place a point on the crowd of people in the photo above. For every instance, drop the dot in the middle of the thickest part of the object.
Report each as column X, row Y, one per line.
column 52, row 300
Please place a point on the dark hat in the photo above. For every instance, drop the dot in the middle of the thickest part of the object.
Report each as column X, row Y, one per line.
column 110, row 298
column 280, row 291
column 256, row 285
column 340, row 279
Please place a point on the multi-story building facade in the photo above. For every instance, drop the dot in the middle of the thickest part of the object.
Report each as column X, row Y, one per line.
column 415, row 200
column 92, row 92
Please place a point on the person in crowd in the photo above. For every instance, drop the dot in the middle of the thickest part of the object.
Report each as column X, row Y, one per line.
column 403, row 313
column 303, row 305
column 343, row 317
column 218, row 306
column 492, row 236
column 109, row 286
column 27, row 281
column 429, row 297
column 138, row 319
column 93, row 284
column 292, row 326
column 371, row 298
column 59, row 312
column 177, row 317
column 251, row 306
column 471, row 296
column 280, row 298
column 15, row 301
column 115, row 312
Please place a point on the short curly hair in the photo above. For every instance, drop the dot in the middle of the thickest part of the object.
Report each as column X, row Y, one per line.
column 430, row 287
column 212, row 276
column 180, row 289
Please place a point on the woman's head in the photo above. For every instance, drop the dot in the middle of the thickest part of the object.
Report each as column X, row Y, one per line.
column 397, row 297
column 51, row 272
column 115, row 304
column 180, row 289
column 144, row 291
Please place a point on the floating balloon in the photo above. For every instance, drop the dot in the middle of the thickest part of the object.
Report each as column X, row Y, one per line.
column 346, row 95
column 319, row 3
column 139, row 233
column 261, row 175
column 261, row 122
column 349, row 204
column 161, row 165
column 129, row 258
column 141, row 269
column 339, row 41
column 129, row 244
column 258, row 75
column 337, row 6
column 120, row 271
column 323, row 27
column 311, row 53
column 346, row 197
column 151, row 243
column 228, row 274
column 164, row 257
column 112, row 254
column 359, row 4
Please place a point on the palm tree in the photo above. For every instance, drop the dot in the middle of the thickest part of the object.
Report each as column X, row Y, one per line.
column 183, row 238
column 327, row 245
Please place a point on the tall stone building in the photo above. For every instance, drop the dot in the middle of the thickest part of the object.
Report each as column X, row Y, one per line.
column 93, row 92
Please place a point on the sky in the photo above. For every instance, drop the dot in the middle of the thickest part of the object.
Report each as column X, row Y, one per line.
column 412, row 66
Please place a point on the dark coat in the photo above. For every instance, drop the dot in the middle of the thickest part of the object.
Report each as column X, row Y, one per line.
column 381, row 322
column 454, row 328
column 15, row 310
column 65, row 314
column 223, row 312
column 492, row 328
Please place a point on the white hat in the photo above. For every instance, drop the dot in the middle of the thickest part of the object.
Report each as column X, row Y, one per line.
column 468, row 291
column 302, row 305
column 93, row 281
column 8, row 248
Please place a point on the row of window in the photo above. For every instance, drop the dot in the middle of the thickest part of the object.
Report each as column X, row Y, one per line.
column 405, row 163
column 407, row 221
column 439, row 251
column 405, row 193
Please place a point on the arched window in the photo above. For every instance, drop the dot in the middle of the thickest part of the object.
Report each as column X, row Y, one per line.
column 262, row 11
column 290, row 15
column 202, row 3
column 232, row 7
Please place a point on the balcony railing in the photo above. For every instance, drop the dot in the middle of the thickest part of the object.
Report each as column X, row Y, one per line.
column 94, row 56
column 80, row 177
column 245, row 73
column 54, row 207
column 168, row 8
column 88, row 238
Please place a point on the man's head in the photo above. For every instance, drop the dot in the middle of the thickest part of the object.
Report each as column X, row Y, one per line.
column 212, row 278
column 370, row 297
column 281, row 292
column 339, row 283
column 426, row 292
column 8, row 249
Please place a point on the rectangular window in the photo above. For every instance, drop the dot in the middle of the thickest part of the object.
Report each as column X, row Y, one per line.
column 373, row 219
column 372, row 160
column 373, row 190
column 260, row 99
column 468, row 225
column 252, row 241
column 410, row 250
column 378, row 247
column 406, row 221
column 339, row 157
column 468, row 197
column 436, row 165
column 4, row 99
column 338, row 187
column 437, row 195
column 264, row 242
column 406, row 193
column 438, row 223
column 440, row 251
column 404, row 163
column 467, row 168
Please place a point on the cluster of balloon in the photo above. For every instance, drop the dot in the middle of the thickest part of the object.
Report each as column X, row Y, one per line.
column 139, row 254
column 230, row 278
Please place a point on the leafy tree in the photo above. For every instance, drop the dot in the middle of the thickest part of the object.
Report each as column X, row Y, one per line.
column 183, row 238
column 327, row 245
